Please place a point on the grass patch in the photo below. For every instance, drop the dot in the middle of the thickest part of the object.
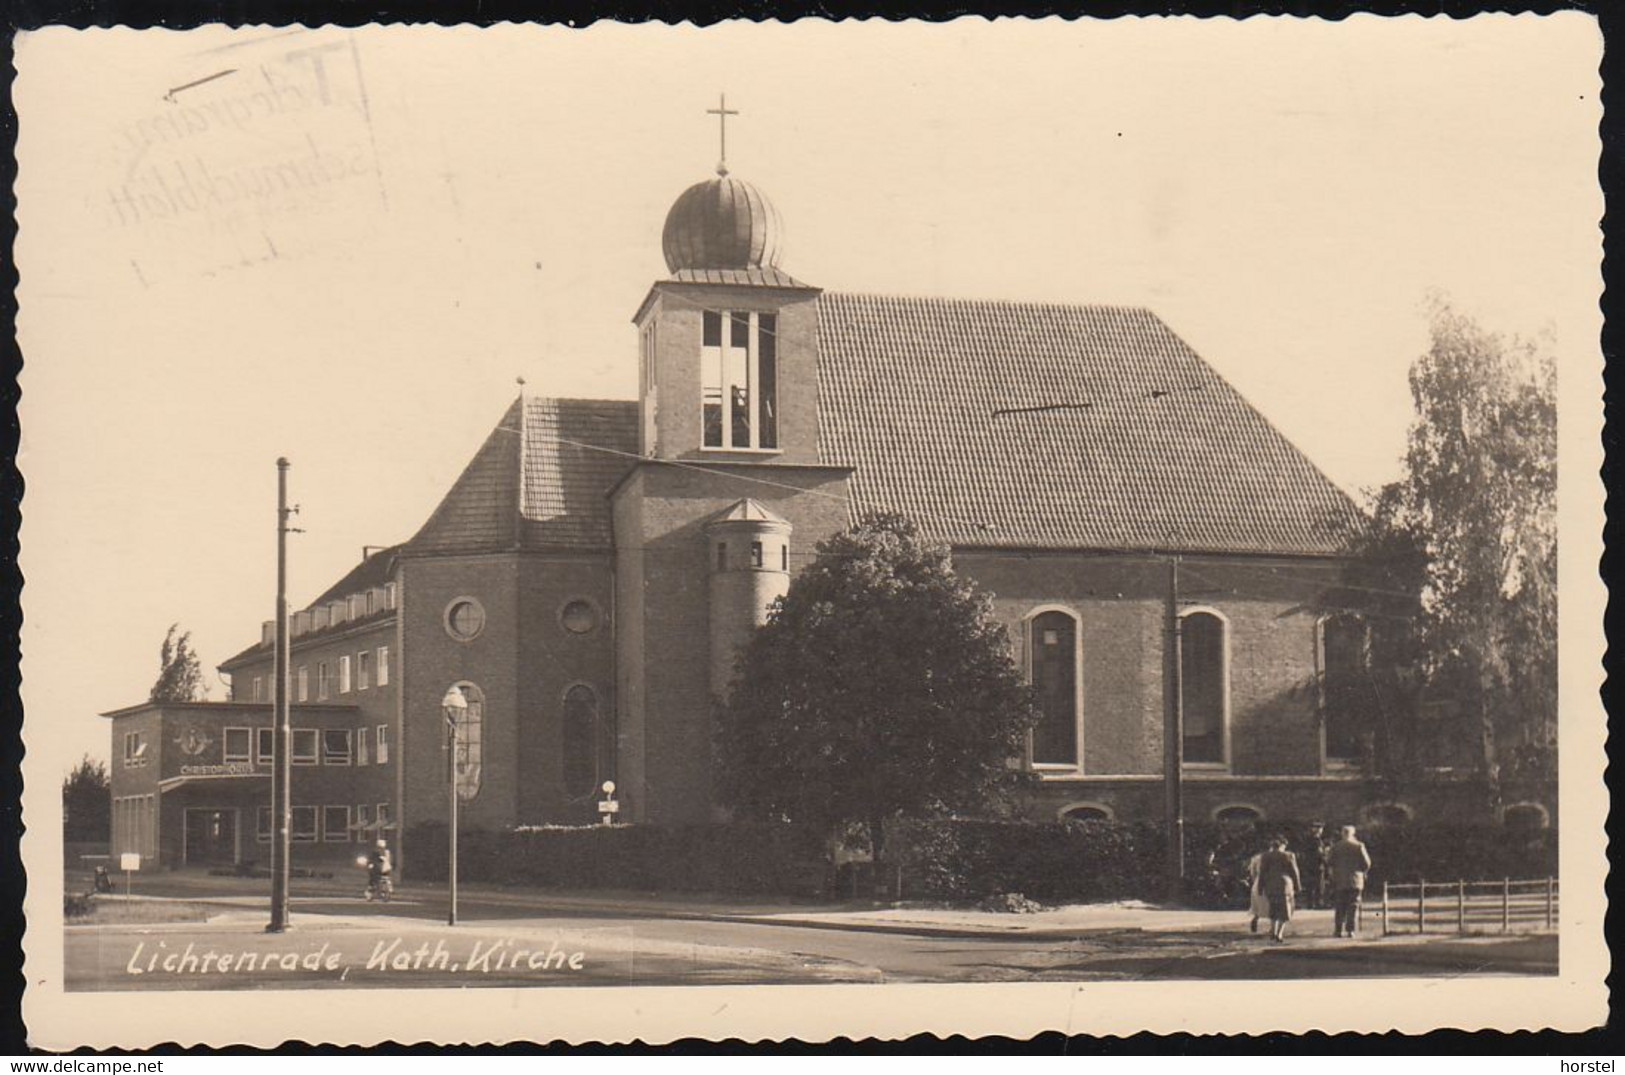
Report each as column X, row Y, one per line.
column 111, row 910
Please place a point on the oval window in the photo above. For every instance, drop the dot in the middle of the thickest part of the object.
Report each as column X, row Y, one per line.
column 579, row 617
column 464, row 619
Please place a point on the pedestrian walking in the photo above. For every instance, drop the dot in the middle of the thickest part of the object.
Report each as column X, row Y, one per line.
column 1257, row 906
column 1349, row 862
column 1312, row 861
column 1279, row 880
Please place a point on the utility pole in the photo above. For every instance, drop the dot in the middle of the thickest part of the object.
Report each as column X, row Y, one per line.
column 281, row 757
column 1173, row 734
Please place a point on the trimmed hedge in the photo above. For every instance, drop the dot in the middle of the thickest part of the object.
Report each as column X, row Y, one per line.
column 739, row 859
column 955, row 860
column 1060, row 862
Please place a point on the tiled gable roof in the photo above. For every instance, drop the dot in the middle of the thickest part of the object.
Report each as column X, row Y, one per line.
column 375, row 570
column 539, row 481
column 1027, row 425
column 575, row 450
column 480, row 512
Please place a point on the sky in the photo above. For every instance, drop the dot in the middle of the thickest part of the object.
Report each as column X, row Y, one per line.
column 344, row 246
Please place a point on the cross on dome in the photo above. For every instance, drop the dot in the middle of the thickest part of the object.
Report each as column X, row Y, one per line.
column 722, row 112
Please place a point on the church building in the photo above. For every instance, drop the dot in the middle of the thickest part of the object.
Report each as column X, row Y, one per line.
column 587, row 581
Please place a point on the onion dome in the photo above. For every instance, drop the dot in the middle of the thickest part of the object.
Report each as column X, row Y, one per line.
column 722, row 223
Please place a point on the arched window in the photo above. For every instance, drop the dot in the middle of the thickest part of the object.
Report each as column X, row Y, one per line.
column 1053, row 644
column 1380, row 815
column 1086, row 812
column 1343, row 651
column 1525, row 816
column 1238, row 814
column 580, row 734
column 470, row 739
column 1205, row 690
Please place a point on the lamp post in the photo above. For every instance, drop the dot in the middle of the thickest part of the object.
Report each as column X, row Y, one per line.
column 454, row 705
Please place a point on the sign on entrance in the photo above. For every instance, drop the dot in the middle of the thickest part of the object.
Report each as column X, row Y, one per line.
column 129, row 860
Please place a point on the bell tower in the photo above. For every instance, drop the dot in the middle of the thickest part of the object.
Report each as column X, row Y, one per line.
column 729, row 341
column 730, row 469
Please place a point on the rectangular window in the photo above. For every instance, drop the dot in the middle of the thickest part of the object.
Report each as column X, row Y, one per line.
column 336, row 824
column 1343, row 647
column 711, row 378
column 363, row 745
column 238, row 745
column 767, row 378
column 344, row 674
column 263, row 825
column 323, row 677
column 389, row 595
column 1054, row 670
column 739, row 379
column 1204, row 686
column 737, row 368
column 336, row 746
column 756, row 554
column 383, row 744
column 303, row 693
column 383, row 666
column 304, row 746
column 135, row 750
column 383, row 816
column 784, row 557
column 259, row 688
column 304, row 824
column 363, row 816
column 363, row 670
column 264, row 745
column 722, row 556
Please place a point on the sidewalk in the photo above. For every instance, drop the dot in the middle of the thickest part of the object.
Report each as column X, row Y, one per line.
column 1308, row 928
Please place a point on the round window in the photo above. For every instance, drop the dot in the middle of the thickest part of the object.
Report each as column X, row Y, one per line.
column 464, row 618
column 579, row 617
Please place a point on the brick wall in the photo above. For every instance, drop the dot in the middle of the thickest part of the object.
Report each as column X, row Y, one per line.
column 374, row 706
column 552, row 660
column 432, row 661
column 670, row 705
column 1119, row 601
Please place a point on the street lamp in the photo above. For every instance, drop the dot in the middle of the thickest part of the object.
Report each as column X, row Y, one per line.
column 454, row 705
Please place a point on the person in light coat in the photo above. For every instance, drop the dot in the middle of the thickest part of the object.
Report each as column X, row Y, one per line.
column 1279, row 880
column 1349, row 862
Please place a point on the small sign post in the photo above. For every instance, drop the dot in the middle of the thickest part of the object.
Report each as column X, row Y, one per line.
column 129, row 862
column 608, row 807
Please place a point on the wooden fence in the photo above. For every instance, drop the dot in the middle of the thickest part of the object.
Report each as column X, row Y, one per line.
column 1469, row 906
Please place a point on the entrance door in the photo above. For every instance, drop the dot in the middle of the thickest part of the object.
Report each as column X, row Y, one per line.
column 211, row 836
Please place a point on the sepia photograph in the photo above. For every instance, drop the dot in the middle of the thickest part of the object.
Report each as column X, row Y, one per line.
column 811, row 529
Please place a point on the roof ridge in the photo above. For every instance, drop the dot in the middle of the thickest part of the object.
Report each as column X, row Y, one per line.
column 973, row 300
column 530, row 399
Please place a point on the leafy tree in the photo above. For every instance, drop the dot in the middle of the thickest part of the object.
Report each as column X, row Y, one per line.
column 881, row 687
column 1460, row 561
column 180, row 675
column 86, row 804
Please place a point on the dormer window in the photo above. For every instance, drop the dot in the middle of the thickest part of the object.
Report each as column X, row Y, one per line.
column 739, row 379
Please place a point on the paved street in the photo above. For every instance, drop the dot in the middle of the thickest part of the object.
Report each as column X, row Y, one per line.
column 538, row 939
